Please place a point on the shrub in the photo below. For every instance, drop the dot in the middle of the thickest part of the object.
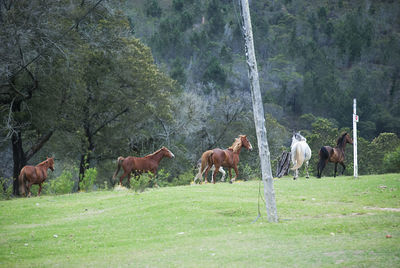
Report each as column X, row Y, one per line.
column 391, row 161
column 6, row 188
column 140, row 184
column 184, row 178
column 88, row 180
column 62, row 184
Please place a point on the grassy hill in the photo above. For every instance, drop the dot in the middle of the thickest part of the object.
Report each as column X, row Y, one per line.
column 323, row 223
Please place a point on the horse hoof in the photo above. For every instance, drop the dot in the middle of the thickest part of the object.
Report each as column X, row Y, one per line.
column 230, row 182
column 294, row 178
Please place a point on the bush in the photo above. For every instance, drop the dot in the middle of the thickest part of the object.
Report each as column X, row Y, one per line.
column 184, row 178
column 88, row 180
column 141, row 183
column 391, row 161
column 63, row 184
column 6, row 188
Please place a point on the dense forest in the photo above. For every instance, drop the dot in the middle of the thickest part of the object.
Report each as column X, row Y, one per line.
column 87, row 81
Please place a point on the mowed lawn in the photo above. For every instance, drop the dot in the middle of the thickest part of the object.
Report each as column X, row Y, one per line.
column 328, row 222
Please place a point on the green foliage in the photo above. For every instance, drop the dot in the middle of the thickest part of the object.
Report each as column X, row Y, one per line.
column 87, row 183
column 178, row 72
column 143, row 182
column 183, row 179
column 6, row 189
column 214, row 73
column 63, row 184
column 153, row 9
column 391, row 161
column 162, row 179
column 215, row 16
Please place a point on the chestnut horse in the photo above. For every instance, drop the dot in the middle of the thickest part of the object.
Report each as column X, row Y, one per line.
column 335, row 155
column 34, row 175
column 228, row 158
column 139, row 165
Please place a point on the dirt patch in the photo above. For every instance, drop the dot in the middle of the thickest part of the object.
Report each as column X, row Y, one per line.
column 383, row 209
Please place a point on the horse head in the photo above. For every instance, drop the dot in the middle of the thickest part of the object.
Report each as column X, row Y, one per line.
column 167, row 152
column 245, row 142
column 348, row 138
column 50, row 163
column 298, row 136
column 343, row 139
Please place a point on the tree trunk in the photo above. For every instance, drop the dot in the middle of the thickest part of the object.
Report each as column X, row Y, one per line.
column 19, row 159
column 258, row 112
column 283, row 165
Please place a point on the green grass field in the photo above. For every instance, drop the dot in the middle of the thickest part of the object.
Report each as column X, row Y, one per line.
column 341, row 222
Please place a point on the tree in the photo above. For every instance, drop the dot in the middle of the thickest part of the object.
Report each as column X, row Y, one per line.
column 32, row 48
column 118, row 86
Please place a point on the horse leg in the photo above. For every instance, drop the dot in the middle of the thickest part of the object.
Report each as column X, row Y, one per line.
column 206, row 173
column 230, row 175
column 123, row 176
column 154, row 172
column 321, row 166
column 223, row 173
column 344, row 167
column 236, row 172
column 129, row 180
column 307, row 175
column 214, row 175
column 296, row 174
column 40, row 189
column 29, row 189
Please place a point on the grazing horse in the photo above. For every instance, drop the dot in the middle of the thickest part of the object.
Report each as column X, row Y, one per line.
column 301, row 153
column 139, row 165
column 335, row 155
column 34, row 175
column 228, row 158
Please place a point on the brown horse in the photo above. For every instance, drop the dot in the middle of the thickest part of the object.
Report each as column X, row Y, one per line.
column 335, row 155
column 139, row 165
column 34, row 175
column 228, row 158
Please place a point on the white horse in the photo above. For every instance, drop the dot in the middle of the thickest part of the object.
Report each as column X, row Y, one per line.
column 200, row 175
column 301, row 153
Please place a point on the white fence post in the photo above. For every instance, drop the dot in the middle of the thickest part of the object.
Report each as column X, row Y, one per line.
column 355, row 120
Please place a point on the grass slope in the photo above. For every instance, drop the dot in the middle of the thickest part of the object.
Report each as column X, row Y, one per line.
column 323, row 223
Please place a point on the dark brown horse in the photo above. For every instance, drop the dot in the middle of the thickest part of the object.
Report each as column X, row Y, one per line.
column 34, row 175
column 228, row 158
column 335, row 155
column 139, row 165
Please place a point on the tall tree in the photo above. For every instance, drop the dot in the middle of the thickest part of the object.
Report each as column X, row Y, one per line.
column 30, row 48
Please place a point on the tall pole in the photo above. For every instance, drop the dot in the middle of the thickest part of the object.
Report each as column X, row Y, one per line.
column 258, row 112
column 355, row 120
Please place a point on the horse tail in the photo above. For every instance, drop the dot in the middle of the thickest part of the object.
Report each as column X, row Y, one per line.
column 299, row 158
column 323, row 154
column 21, row 182
column 323, row 157
column 119, row 162
column 205, row 160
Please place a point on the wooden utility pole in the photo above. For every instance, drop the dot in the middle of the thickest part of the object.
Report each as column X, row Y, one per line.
column 258, row 112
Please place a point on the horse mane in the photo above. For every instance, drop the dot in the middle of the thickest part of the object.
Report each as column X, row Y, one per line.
column 152, row 154
column 237, row 144
column 43, row 163
column 341, row 139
